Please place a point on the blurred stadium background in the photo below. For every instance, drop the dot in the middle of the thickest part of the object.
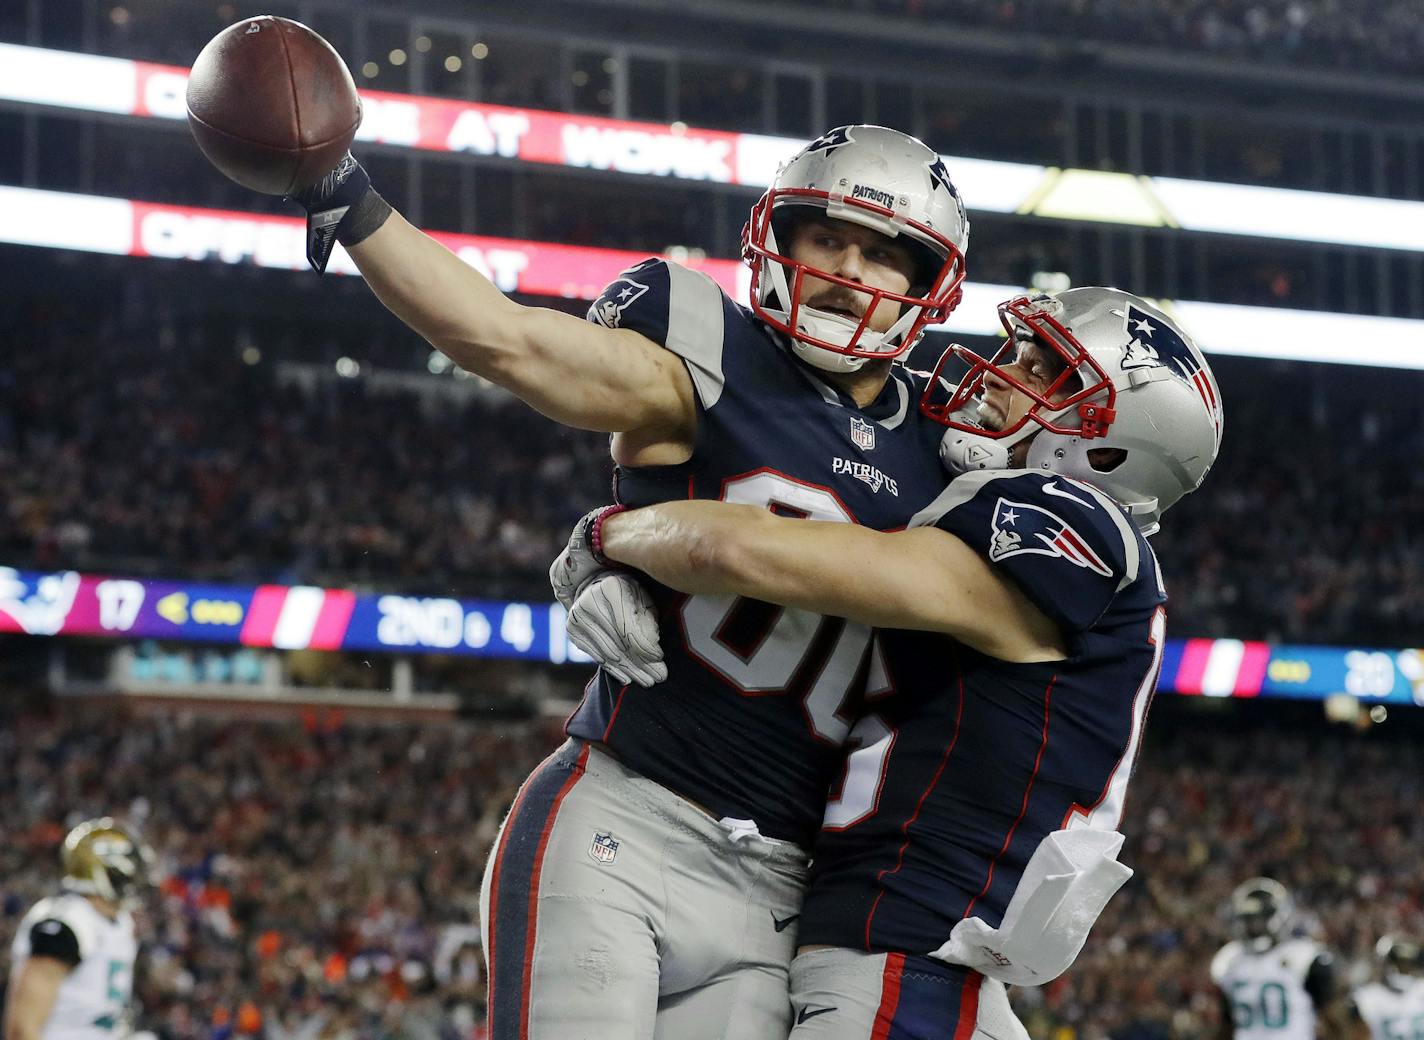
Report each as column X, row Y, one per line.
column 272, row 576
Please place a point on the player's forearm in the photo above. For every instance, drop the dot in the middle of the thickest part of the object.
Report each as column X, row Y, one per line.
column 714, row 548
column 921, row 579
column 454, row 307
column 16, row 1030
column 574, row 372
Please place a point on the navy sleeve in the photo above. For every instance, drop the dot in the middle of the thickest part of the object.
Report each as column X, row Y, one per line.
column 54, row 938
column 676, row 308
column 1069, row 548
column 638, row 299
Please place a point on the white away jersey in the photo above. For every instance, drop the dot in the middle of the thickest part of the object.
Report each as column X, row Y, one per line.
column 1391, row 1014
column 1267, row 991
column 94, row 994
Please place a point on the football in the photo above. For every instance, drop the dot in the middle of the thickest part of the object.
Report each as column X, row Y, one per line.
column 272, row 105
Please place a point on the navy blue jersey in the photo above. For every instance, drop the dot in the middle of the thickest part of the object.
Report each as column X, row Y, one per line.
column 968, row 762
column 759, row 699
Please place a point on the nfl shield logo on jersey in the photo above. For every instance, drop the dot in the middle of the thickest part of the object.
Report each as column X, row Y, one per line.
column 604, row 848
column 862, row 434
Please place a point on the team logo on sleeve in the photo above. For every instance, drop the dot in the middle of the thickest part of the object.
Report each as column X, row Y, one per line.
column 608, row 309
column 603, row 848
column 1021, row 529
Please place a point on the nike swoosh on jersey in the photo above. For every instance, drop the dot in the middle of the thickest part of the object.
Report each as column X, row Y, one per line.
column 781, row 926
column 809, row 1013
column 1052, row 488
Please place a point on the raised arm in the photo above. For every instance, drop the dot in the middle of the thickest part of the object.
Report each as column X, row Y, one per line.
column 923, row 578
column 574, row 371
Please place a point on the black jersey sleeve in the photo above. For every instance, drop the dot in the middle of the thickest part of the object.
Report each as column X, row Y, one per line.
column 1320, row 980
column 53, row 938
column 676, row 308
column 1070, row 548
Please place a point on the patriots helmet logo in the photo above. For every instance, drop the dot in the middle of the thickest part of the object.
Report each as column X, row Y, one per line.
column 1021, row 529
column 608, row 309
column 1155, row 343
column 829, row 141
column 939, row 177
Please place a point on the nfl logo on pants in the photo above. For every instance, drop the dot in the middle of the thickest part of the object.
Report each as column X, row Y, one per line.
column 604, row 848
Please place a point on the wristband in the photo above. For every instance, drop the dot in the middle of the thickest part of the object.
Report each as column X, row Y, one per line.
column 595, row 533
column 363, row 219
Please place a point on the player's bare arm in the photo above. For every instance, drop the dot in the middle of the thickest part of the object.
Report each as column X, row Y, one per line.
column 574, row 371
column 595, row 378
column 32, row 997
column 923, row 579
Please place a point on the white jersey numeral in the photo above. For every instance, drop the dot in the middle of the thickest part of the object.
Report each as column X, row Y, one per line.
column 782, row 649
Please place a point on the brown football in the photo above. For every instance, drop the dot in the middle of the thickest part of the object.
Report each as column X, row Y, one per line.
column 272, row 105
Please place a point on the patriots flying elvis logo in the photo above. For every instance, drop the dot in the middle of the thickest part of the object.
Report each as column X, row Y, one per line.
column 1152, row 343
column 608, row 309
column 1021, row 529
column 830, row 141
column 939, row 176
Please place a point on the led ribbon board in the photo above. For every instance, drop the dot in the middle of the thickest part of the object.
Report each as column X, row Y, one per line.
column 67, row 603
column 87, row 82
column 125, row 228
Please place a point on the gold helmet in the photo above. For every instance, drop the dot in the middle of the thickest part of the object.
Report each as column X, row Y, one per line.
column 105, row 858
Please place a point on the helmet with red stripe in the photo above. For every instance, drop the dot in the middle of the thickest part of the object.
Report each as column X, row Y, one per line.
column 879, row 179
column 1124, row 377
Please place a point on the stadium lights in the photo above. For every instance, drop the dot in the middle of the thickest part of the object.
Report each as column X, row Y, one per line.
column 118, row 226
column 32, row 75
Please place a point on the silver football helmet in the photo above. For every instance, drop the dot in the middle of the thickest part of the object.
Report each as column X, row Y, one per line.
column 1401, row 961
column 1133, row 380
column 880, row 179
column 1261, row 911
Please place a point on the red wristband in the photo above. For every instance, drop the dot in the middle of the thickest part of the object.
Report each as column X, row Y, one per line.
column 595, row 532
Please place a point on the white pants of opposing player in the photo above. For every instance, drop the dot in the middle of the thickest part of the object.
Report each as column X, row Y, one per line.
column 612, row 909
column 841, row 994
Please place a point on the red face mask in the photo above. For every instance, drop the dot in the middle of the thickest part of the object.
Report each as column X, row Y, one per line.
column 1085, row 413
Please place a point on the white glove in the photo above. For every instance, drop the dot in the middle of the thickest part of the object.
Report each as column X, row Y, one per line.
column 613, row 620
column 580, row 563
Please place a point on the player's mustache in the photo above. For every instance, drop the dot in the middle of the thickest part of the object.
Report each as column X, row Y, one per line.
column 837, row 299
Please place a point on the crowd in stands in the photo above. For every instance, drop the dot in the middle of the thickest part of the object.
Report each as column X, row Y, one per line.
column 320, row 880
column 192, row 462
column 173, row 457
column 1363, row 36
column 321, row 877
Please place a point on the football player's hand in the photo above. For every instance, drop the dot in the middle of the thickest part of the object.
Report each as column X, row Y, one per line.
column 581, row 562
column 329, row 204
column 613, row 620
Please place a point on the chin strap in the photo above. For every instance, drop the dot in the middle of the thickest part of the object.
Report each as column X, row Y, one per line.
column 963, row 452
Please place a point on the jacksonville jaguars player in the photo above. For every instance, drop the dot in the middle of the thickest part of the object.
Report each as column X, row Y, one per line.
column 1391, row 1007
column 71, row 976
column 1274, row 986
column 649, row 874
column 971, row 839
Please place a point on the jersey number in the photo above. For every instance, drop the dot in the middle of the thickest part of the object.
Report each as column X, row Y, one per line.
column 768, row 664
column 1270, row 1009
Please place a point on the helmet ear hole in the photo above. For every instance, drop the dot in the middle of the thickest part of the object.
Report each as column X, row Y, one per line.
column 1105, row 460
